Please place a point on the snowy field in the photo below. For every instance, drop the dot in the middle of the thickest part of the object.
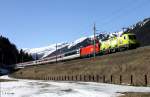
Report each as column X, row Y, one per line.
column 38, row 88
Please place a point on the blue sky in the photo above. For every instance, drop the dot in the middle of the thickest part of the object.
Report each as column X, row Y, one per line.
column 37, row 23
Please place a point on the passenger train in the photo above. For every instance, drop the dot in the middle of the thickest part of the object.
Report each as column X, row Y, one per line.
column 107, row 46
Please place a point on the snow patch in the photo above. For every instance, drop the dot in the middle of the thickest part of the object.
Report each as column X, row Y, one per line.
column 45, row 51
column 77, row 41
column 39, row 88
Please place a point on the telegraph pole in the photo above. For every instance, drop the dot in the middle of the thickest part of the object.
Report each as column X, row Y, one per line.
column 94, row 30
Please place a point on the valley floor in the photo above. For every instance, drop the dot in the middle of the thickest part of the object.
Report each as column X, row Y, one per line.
column 39, row 88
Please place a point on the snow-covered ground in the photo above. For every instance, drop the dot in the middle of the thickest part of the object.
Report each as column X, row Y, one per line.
column 39, row 88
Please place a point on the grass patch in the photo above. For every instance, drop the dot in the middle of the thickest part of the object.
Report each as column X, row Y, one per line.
column 6, row 80
column 136, row 95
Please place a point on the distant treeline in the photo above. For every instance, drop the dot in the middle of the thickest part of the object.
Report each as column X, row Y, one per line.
column 9, row 54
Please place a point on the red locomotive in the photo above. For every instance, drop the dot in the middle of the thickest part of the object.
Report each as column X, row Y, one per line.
column 88, row 50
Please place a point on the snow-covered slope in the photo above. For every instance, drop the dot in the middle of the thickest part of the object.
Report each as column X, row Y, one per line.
column 142, row 23
column 76, row 42
column 45, row 51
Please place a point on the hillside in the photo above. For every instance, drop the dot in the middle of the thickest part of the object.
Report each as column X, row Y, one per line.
column 135, row 62
column 142, row 31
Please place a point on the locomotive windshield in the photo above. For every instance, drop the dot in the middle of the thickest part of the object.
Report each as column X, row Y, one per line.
column 132, row 37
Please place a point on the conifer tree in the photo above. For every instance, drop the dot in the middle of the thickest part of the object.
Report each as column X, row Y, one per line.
column 9, row 53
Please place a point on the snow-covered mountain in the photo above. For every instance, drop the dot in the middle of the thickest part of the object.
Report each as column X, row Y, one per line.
column 76, row 42
column 142, row 26
column 45, row 51
column 50, row 50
